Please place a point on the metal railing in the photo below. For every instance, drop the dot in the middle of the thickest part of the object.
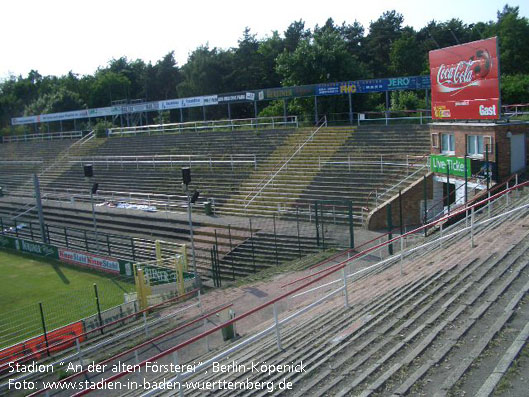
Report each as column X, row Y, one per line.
column 231, row 124
column 43, row 136
column 379, row 160
column 256, row 191
column 169, row 159
column 114, row 326
column 314, row 278
column 342, row 289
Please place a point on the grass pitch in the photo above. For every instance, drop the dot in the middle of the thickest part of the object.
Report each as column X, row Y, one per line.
column 66, row 292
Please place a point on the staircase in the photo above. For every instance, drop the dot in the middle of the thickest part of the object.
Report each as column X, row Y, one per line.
column 281, row 179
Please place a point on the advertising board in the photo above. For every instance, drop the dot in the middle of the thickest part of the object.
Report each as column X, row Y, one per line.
column 98, row 262
column 456, row 165
column 465, row 81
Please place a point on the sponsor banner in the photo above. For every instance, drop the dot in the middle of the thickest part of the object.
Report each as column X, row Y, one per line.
column 101, row 112
column 162, row 275
column 76, row 114
column 287, row 92
column 140, row 107
column 456, row 165
column 28, row 247
column 374, row 85
column 33, row 345
column 98, row 262
column 24, row 120
column 337, row 88
column 171, row 104
column 244, row 96
column 465, row 81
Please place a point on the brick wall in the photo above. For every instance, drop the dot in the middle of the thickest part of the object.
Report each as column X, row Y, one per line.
column 501, row 148
column 411, row 206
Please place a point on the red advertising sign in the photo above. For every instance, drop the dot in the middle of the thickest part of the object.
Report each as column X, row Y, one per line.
column 465, row 81
column 63, row 337
column 98, row 262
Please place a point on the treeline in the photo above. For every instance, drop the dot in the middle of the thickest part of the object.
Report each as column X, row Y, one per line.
column 299, row 55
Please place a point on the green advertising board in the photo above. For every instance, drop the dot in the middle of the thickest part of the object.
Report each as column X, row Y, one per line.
column 455, row 165
column 29, row 247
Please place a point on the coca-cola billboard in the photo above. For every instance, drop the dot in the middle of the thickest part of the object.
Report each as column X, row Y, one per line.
column 465, row 81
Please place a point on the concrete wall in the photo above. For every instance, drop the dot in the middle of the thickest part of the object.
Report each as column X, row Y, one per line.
column 412, row 198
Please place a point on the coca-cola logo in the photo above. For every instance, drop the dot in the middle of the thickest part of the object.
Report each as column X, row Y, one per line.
column 456, row 77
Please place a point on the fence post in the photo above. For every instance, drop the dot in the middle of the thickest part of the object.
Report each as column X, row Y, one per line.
column 98, row 307
column 400, row 213
column 85, row 240
column 278, row 334
column 31, row 230
column 389, row 221
column 66, row 237
column 79, row 354
column 16, row 228
column 345, row 292
column 441, row 235
column 275, row 239
column 507, row 193
column 253, row 249
column 472, row 227
column 297, row 227
column 231, row 249
column 322, row 228
column 401, row 252
column 317, row 223
column 108, row 245
column 145, row 324
column 44, row 328
column 132, row 249
column 425, row 199
column 351, row 225
column 489, row 204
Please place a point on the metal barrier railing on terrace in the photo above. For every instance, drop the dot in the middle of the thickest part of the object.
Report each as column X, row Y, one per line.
column 210, row 125
column 256, row 191
column 169, row 160
column 43, row 136
column 171, row 354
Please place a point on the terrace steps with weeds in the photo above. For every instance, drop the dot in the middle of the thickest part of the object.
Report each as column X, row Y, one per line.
column 429, row 331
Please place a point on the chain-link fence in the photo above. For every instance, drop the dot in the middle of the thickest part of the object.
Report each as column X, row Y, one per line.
column 54, row 312
column 243, row 246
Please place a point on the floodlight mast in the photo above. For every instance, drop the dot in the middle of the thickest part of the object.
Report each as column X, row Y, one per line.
column 186, row 179
column 89, row 173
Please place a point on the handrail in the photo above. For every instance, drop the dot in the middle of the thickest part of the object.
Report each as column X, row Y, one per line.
column 203, row 125
column 324, row 123
column 319, row 276
column 416, row 230
column 401, row 182
column 156, row 338
column 43, row 136
column 205, row 333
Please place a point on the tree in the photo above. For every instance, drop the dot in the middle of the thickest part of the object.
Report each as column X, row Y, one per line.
column 406, row 56
column 513, row 32
column 324, row 58
column 207, row 71
column 109, row 86
column 294, row 34
column 382, row 34
column 269, row 50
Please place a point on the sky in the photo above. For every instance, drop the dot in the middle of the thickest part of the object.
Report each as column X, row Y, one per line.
column 58, row 36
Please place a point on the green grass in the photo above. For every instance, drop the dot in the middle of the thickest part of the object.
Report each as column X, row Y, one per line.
column 66, row 292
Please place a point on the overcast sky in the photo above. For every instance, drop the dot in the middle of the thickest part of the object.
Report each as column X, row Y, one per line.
column 56, row 36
